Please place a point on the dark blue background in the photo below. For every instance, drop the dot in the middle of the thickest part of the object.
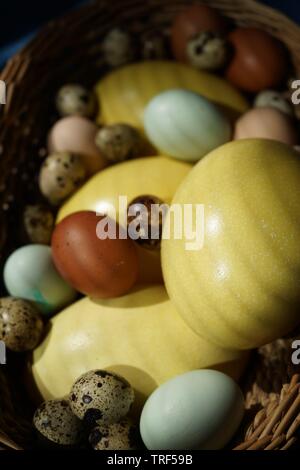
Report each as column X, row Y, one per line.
column 20, row 19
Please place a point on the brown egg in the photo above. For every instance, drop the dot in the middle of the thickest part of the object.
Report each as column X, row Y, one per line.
column 76, row 134
column 191, row 21
column 100, row 268
column 259, row 60
column 266, row 123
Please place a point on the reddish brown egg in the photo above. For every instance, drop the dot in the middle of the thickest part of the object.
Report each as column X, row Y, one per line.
column 259, row 60
column 100, row 268
column 191, row 21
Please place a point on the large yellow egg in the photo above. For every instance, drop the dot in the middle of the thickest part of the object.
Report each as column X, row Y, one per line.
column 155, row 176
column 242, row 289
column 140, row 336
column 124, row 93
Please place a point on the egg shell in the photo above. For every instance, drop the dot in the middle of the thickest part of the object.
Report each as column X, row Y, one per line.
column 101, row 268
column 266, row 123
column 191, row 21
column 101, row 397
column 61, row 175
column 274, row 99
column 125, row 93
column 249, row 265
column 74, row 99
column 200, row 410
column 29, row 273
column 55, row 421
column 159, row 176
column 139, row 336
column 259, row 60
column 117, row 436
column 185, row 125
column 77, row 135
column 21, row 326
column 38, row 222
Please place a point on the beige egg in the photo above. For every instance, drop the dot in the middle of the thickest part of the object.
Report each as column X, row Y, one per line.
column 266, row 123
column 101, row 397
column 77, row 134
column 123, row 435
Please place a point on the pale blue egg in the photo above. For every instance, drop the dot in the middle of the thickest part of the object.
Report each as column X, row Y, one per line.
column 201, row 409
column 29, row 273
column 185, row 125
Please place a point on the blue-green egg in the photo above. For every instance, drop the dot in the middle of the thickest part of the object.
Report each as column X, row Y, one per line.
column 185, row 125
column 199, row 410
column 29, row 273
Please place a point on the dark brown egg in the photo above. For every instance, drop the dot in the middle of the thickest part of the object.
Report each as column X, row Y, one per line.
column 259, row 60
column 145, row 221
column 192, row 21
column 98, row 267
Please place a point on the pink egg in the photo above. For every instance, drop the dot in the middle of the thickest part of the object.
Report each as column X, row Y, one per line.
column 77, row 134
column 266, row 123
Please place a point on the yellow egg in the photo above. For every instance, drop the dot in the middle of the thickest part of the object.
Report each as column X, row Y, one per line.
column 241, row 289
column 139, row 336
column 124, row 93
column 155, row 176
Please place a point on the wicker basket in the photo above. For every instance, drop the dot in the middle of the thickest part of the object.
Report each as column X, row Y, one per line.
column 69, row 49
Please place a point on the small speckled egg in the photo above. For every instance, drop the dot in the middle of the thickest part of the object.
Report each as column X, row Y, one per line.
column 274, row 99
column 208, row 50
column 21, row 326
column 119, row 142
column 75, row 99
column 154, row 46
column 60, row 176
column 116, row 436
column 76, row 134
column 118, row 48
column 266, row 123
column 199, row 410
column 185, row 125
column 29, row 273
column 56, row 423
column 101, row 397
column 38, row 223
column 145, row 221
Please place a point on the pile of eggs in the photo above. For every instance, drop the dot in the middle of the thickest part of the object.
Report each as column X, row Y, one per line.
column 160, row 131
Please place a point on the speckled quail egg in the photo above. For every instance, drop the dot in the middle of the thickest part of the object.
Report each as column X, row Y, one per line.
column 118, row 142
column 208, row 51
column 154, row 46
column 38, row 223
column 21, row 326
column 101, row 397
column 118, row 47
column 61, row 175
column 73, row 99
column 56, row 423
column 274, row 99
column 117, row 436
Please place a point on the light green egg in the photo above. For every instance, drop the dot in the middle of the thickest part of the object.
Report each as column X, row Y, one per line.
column 185, row 125
column 29, row 273
column 201, row 410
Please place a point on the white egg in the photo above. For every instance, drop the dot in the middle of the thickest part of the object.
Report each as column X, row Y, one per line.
column 201, row 409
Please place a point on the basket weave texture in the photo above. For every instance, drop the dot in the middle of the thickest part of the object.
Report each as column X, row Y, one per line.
column 69, row 50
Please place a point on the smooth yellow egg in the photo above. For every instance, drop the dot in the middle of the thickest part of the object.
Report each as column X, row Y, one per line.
column 241, row 289
column 154, row 176
column 124, row 93
column 139, row 336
